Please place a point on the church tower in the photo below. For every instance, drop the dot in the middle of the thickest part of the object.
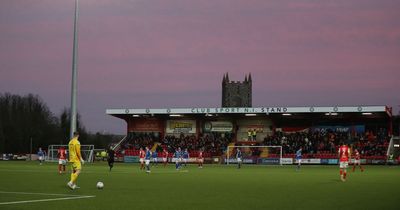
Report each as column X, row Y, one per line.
column 236, row 93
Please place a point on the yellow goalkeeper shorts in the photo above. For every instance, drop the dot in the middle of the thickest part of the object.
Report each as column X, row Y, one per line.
column 76, row 165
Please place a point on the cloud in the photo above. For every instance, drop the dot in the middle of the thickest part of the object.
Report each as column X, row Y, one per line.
column 173, row 53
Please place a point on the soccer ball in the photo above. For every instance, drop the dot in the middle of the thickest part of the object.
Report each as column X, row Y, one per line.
column 99, row 185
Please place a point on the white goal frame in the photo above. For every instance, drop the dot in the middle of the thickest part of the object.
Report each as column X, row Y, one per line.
column 228, row 148
column 87, row 152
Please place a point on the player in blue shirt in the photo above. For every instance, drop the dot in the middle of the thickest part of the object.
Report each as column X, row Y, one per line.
column 177, row 156
column 239, row 157
column 298, row 158
column 40, row 155
column 185, row 156
column 147, row 159
column 154, row 155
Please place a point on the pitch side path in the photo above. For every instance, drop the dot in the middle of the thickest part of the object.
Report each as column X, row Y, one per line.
column 27, row 185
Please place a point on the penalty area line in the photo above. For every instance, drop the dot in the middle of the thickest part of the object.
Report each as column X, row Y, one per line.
column 32, row 193
column 45, row 200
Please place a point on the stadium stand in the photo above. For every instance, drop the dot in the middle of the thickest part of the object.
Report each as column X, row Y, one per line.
column 314, row 144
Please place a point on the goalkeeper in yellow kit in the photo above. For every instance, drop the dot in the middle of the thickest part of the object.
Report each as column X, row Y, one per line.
column 75, row 159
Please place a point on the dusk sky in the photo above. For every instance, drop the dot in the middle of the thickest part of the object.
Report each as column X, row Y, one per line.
column 173, row 53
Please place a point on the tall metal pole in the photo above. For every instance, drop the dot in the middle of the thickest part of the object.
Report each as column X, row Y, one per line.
column 74, row 73
column 30, row 150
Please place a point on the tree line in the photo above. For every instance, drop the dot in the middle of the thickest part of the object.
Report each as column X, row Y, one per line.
column 26, row 118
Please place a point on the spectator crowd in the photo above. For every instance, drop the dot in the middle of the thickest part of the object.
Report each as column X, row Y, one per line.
column 312, row 143
column 213, row 143
column 328, row 142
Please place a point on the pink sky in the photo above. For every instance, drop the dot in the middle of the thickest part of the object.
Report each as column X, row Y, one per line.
column 173, row 53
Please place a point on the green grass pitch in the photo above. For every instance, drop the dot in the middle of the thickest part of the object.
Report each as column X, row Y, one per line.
column 213, row 187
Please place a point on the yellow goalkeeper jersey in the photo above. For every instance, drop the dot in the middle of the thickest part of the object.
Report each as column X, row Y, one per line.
column 74, row 150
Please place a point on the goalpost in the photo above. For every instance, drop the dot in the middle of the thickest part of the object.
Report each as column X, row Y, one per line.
column 87, row 152
column 262, row 155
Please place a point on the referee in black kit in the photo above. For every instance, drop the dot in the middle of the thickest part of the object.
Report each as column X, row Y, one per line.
column 110, row 157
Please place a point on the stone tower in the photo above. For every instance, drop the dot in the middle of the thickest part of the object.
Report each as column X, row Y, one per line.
column 236, row 94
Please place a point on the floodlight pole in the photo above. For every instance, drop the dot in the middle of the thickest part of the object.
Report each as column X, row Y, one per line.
column 30, row 150
column 74, row 73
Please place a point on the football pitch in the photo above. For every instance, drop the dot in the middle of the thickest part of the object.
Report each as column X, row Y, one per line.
column 27, row 185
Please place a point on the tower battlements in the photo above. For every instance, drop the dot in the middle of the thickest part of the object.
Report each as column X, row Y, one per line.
column 236, row 93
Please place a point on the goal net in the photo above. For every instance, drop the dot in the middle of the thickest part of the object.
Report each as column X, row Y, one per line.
column 87, row 152
column 261, row 155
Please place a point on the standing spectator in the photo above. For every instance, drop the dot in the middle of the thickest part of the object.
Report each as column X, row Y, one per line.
column 249, row 134
column 254, row 134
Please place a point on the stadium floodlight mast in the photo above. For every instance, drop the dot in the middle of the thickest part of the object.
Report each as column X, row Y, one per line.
column 74, row 73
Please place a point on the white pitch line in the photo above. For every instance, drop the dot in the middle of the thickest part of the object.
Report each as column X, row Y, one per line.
column 169, row 172
column 31, row 193
column 44, row 200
